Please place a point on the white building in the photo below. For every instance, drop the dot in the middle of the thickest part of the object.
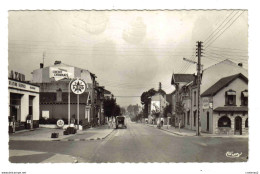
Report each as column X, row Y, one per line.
column 23, row 102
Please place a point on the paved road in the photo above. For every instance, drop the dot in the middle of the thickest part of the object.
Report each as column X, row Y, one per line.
column 140, row 143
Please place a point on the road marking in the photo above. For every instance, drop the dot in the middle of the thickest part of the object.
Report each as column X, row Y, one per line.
column 202, row 144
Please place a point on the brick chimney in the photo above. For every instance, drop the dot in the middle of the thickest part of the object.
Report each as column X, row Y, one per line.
column 57, row 62
column 41, row 65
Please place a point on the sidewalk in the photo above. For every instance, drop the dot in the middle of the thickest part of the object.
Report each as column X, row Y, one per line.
column 25, row 156
column 44, row 134
column 187, row 132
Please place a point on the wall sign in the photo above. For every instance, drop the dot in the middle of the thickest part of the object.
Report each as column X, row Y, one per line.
column 59, row 73
column 78, row 86
column 207, row 103
column 23, row 86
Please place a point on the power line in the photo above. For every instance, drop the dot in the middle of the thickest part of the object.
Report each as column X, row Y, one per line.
column 224, row 29
column 227, row 49
column 218, row 26
column 215, row 34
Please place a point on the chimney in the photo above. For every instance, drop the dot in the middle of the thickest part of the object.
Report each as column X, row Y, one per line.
column 57, row 62
column 240, row 64
column 41, row 65
column 160, row 85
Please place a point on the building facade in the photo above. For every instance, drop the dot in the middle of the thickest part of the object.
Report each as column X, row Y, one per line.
column 23, row 102
column 225, row 106
column 54, row 84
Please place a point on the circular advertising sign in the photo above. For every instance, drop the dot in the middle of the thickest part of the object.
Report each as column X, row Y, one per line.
column 60, row 123
column 78, row 86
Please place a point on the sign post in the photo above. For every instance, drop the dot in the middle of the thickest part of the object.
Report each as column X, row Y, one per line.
column 78, row 87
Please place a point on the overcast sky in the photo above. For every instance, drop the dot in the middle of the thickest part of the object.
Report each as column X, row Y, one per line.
column 129, row 51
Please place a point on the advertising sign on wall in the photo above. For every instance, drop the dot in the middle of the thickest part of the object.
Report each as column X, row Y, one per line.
column 206, row 103
column 59, row 73
column 155, row 105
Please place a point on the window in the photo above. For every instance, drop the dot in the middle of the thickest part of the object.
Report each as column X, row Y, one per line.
column 231, row 98
column 246, row 123
column 188, row 118
column 59, row 95
column 244, row 98
column 195, row 97
column 224, row 122
column 194, row 117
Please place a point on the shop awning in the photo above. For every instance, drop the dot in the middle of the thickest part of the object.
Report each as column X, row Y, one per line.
column 245, row 93
column 231, row 93
column 232, row 108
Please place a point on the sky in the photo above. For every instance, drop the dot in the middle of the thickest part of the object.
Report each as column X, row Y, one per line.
column 129, row 51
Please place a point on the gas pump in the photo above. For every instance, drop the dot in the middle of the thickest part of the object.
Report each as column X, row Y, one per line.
column 29, row 122
column 12, row 124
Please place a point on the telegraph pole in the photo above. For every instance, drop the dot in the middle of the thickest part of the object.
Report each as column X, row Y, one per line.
column 198, row 83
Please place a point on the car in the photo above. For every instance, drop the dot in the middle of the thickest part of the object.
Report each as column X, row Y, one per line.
column 121, row 122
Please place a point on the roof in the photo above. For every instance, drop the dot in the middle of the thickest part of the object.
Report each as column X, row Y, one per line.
column 222, row 69
column 178, row 78
column 232, row 108
column 214, row 89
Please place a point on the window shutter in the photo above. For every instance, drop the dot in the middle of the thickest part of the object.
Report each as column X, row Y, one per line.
column 226, row 98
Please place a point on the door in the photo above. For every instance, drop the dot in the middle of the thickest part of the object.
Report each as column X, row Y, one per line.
column 238, row 125
column 207, row 121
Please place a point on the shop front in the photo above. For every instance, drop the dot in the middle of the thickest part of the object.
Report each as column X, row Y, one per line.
column 23, row 105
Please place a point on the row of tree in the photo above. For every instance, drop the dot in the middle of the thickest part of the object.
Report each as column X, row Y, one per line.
column 111, row 108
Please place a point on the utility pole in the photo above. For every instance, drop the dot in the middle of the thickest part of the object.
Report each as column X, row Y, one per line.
column 199, row 66
column 199, row 82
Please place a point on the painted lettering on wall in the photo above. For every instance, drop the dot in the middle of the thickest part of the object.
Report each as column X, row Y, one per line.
column 59, row 73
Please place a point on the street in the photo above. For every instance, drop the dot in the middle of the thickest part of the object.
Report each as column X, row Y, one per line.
column 137, row 143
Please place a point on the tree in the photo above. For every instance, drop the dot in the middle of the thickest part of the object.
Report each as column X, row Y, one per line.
column 180, row 110
column 166, row 110
column 146, row 99
column 109, row 107
column 116, row 110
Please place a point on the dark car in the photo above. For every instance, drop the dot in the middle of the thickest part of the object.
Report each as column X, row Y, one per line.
column 120, row 122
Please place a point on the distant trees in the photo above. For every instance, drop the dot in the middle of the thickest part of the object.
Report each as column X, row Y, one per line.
column 123, row 110
column 133, row 109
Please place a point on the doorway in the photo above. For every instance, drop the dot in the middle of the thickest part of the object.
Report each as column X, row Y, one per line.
column 238, row 125
column 207, row 121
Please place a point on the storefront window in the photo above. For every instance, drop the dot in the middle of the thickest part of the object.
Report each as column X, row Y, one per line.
column 15, row 106
column 224, row 122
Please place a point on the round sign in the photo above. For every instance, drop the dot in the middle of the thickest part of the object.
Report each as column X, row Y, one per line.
column 78, row 86
column 60, row 123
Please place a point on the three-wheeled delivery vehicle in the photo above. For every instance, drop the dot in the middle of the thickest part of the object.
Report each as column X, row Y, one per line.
column 120, row 122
